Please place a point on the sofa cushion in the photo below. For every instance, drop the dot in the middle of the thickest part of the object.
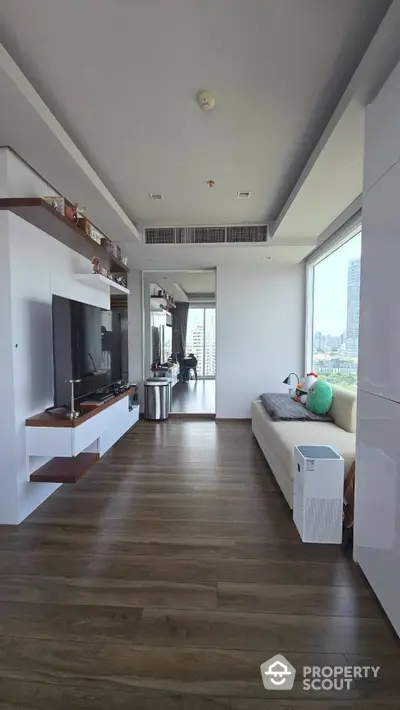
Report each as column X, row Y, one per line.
column 344, row 408
column 291, row 434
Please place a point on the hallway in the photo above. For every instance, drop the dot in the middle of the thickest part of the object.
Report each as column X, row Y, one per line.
column 167, row 575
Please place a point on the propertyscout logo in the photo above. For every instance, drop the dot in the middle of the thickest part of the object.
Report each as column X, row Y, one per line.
column 278, row 674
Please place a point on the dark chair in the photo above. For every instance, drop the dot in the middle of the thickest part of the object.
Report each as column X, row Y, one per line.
column 183, row 375
column 190, row 363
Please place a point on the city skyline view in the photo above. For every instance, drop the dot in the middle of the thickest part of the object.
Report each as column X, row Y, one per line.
column 200, row 339
column 330, row 288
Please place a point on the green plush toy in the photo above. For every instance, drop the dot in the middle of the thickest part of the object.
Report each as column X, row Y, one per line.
column 319, row 398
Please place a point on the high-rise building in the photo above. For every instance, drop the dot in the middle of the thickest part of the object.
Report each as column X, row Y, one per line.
column 195, row 345
column 319, row 341
column 353, row 307
column 200, row 340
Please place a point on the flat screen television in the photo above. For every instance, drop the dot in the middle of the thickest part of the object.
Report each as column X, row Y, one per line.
column 86, row 347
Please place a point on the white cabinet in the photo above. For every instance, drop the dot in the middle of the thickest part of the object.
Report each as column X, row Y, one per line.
column 379, row 350
column 96, row 434
column 120, row 425
column 377, row 507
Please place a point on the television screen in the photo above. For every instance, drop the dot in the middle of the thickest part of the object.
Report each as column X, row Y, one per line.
column 87, row 347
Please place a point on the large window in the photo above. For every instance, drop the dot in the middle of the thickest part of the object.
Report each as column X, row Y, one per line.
column 334, row 302
column 200, row 339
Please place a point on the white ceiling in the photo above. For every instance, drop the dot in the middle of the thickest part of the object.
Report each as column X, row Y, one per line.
column 121, row 77
column 191, row 283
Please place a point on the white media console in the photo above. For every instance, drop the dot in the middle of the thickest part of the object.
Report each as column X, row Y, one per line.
column 73, row 447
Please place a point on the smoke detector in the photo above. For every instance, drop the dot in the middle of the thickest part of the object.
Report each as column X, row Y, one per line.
column 206, row 100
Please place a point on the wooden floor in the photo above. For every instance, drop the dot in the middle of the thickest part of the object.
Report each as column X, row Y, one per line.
column 167, row 575
column 194, row 397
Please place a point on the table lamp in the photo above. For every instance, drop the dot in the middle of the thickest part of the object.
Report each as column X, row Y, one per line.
column 286, row 381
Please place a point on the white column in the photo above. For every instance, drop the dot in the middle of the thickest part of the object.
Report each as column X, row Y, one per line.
column 8, row 453
column 135, row 329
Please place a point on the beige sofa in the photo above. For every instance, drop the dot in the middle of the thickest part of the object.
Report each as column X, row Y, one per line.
column 277, row 439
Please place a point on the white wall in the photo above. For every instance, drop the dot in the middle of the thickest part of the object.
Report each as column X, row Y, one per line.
column 17, row 179
column 38, row 266
column 260, row 333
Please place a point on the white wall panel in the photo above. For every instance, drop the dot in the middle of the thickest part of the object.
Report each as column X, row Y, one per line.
column 259, row 334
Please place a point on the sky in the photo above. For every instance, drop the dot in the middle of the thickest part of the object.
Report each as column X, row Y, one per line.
column 330, row 288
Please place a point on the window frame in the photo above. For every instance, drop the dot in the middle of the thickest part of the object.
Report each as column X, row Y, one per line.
column 350, row 230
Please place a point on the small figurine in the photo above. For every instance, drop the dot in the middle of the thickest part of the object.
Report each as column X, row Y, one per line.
column 71, row 212
column 96, row 265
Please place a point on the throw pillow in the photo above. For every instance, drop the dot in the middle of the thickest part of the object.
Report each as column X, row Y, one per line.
column 319, row 398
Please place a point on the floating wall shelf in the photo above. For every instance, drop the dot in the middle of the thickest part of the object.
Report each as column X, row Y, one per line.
column 38, row 212
column 159, row 303
column 103, row 283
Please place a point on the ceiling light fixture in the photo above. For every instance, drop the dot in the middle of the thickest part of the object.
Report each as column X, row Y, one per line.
column 266, row 258
column 156, row 195
column 243, row 195
column 206, row 100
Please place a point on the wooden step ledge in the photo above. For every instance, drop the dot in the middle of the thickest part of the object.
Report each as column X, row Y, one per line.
column 64, row 470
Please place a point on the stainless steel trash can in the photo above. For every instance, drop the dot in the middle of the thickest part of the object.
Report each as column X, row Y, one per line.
column 157, row 394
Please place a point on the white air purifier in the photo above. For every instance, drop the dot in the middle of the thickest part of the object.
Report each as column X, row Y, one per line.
column 318, row 479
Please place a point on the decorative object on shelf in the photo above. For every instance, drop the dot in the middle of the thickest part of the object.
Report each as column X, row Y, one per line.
column 56, row 202
column 121, row 280
column 124, row 260
column 99, row 269
column 106, row 243
column 72, row 213
column 95, row 234
column 72, row 413
column 161, row 293
column 116, row 251
column 96, row 265
column 84, row 224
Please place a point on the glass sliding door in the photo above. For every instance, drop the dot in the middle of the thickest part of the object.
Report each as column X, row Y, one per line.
column 200, row 339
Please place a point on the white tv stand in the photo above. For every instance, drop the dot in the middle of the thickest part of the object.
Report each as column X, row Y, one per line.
column 75, row 446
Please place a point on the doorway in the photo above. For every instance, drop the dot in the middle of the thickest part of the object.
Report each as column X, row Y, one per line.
column 184, row 338
column 197, row 393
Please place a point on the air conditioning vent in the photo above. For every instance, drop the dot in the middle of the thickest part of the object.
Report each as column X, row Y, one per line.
column 160, row 236
column 156, row 195
column 247, row 234
column 206, row 235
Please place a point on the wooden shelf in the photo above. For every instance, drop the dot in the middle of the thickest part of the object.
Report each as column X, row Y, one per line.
column 158, row 303
column 64, row 470
column 119, row 302
column 102, row 283
column 117, row 266
column 38, row 212
column 44, row 419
